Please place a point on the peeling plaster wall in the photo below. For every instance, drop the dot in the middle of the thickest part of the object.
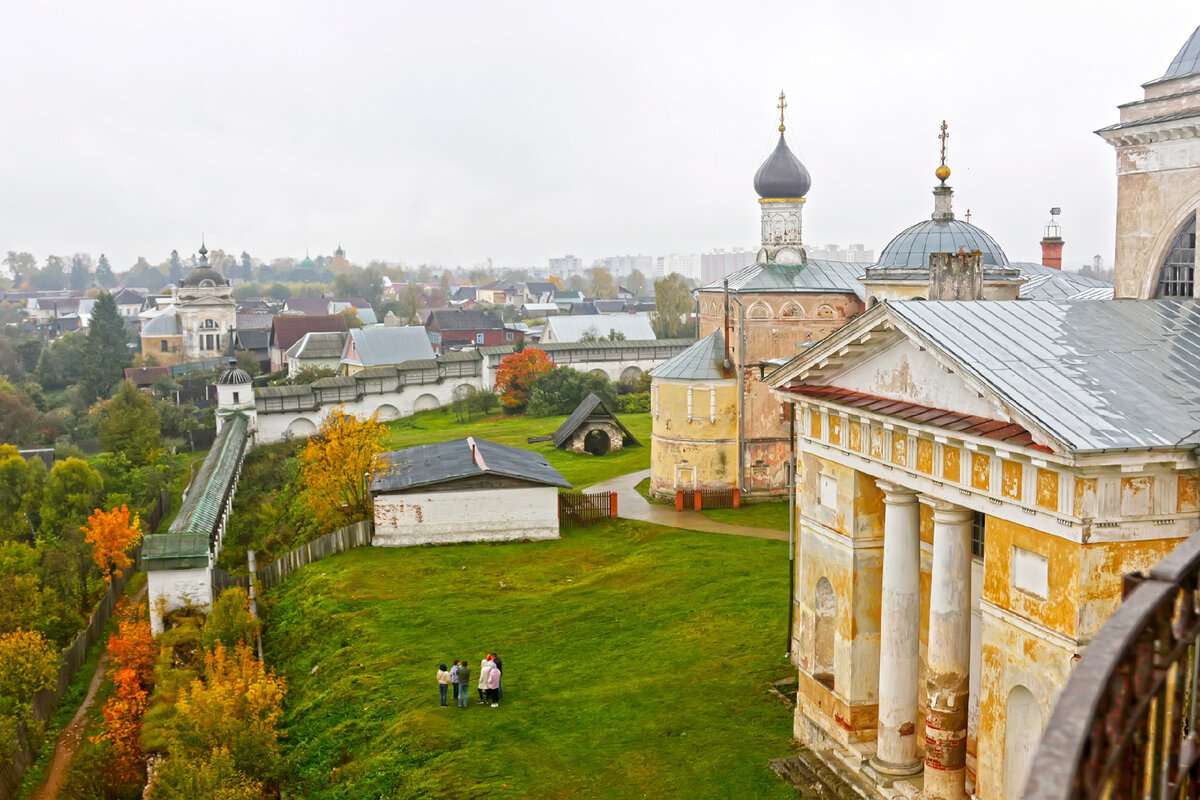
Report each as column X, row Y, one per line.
column 491, row 515
column 697, row 453
column 170, row 589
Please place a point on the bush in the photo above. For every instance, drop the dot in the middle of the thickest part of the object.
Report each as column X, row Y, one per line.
column 230, row 622
column 561, row 390
column 634, row 403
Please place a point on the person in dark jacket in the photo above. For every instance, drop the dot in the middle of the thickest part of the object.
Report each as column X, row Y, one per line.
column 464, row 683
column 500, row 686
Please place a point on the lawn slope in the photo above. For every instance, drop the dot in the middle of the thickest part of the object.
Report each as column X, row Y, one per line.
column 636, row 664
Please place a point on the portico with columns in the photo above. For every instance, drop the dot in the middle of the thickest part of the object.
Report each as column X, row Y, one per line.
column 963, row 532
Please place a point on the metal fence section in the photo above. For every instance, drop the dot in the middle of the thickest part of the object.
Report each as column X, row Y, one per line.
column 1125, row 724
column 577, row 509
column 699, row 499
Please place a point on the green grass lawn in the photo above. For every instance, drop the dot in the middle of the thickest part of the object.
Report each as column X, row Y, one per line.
column 637, row 660
column 441, row 425
column 752, row 515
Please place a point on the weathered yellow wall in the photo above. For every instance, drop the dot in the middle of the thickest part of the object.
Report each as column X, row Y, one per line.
column 1060, row 611
column 1102, row 566
column 152, row 346
column 710, row 447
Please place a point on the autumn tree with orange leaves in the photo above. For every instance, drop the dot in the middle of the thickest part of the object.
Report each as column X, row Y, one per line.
column 334, row 466
column 111, row 534
column 132, row 651
column 517, row 374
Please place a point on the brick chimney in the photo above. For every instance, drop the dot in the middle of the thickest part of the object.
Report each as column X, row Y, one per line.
column 1052, row 243
column 956, row 276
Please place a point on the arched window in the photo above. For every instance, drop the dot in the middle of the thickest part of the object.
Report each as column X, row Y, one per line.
column 1177, row 278
column 826, row 614
column 209, row 324
column 759, row 311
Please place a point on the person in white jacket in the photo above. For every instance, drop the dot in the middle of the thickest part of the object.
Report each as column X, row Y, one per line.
column 484, row 668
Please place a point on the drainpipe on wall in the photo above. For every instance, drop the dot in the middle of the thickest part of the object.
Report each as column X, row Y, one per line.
column 741, row 459
column 791, row 528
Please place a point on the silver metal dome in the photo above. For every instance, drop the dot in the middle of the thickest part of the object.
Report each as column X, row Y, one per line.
column 912, row 247
column 782, row 176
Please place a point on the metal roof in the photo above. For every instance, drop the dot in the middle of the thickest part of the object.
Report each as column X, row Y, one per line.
column 175, row 551
column 591, row 408
column 913, row 246
column 620, row 344
column 166, row 324
column 463, row 319
column 201, row 509
column 817, row 275
column 782, row 176
column 444, row 462
column 319, row 344
column 377, row 346
column 1186, row 61
column 1008, row 432
column 570, row 329
column 1048, row 283
column 703, row 361
column 1095, row 375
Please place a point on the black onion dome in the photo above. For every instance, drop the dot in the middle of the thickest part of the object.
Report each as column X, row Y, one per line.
column 782, row 176
column 233, row 376
column 203, row 276
column 912, row 247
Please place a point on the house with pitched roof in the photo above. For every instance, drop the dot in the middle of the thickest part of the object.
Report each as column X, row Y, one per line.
column 288, row 329
column 460, row 327
column 379, row 347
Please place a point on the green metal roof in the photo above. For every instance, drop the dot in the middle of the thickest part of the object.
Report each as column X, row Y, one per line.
column 201, row 510
column 376, row 372
column 333, row 383
column 283, row 391
column 703, row 361
column 460, row 355
column 175, row 551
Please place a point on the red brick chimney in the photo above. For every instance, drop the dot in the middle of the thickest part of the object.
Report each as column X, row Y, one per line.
column 1052, row 243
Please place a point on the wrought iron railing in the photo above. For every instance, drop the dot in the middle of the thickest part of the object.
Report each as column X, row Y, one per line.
column 1125, row 724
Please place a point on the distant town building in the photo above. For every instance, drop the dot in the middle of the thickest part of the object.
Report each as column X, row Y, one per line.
column 720, row 262
column 686, row 264
column 853, row 254
column 623, row 265
column 567, row 265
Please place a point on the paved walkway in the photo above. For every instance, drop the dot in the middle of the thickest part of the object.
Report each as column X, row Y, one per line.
column 631, row 505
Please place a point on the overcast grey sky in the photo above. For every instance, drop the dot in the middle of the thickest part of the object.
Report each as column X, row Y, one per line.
column 452, row 132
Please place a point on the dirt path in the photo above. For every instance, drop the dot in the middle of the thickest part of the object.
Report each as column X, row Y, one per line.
column 68, row 740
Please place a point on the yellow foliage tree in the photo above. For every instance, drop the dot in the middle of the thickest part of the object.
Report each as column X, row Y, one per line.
column 237, row 707
column 334, row 468
column 111, row 534
column 28, row 664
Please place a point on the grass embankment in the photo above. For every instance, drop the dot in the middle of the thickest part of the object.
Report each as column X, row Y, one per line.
column 580, row 470
column 637, row 662
column 773, row 516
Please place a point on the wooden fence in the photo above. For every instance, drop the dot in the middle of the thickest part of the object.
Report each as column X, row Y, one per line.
column 699, row 499
column 577, row 509
column 359, row 534
column 12, row 768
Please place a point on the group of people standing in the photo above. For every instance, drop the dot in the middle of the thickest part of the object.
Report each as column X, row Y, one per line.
column 459, row 676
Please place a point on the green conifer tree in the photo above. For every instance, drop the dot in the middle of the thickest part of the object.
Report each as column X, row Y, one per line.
column 106, row 354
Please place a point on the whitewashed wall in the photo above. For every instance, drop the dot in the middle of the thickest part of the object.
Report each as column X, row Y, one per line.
column 170, row 589
column 480, row 515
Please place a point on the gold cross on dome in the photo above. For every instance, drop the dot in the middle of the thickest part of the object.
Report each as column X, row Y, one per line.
column 944, row 135
column 782, row 105
column 968, row 215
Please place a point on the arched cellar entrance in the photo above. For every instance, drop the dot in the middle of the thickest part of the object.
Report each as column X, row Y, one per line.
column 597, row 442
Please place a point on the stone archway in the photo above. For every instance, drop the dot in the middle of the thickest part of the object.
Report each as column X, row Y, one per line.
column 630, row 374
column 387, row 412
column 597, row 442
column 425, row 402
column 825, row 607
column 300, row 428
column 1022, row 732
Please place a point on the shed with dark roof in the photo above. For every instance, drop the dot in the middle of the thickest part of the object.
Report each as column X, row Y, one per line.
column 466, row 490
column 593, row 428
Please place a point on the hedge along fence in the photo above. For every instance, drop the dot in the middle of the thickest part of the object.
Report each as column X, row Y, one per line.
column 12, row 768
column 359, row 534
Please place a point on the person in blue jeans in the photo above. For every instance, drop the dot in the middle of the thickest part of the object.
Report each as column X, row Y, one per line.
column 464, row 683
column 454, row 680
column 443, row 679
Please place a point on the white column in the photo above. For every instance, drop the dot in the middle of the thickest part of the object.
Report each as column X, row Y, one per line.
column 948, row 667
column 899, row 635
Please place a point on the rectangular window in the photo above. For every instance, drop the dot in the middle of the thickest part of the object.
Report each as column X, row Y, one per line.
column 689, row 404
column 977, row 529
column 235, row 396
column 162, row 346
column 479, row 338
column 712, row 405
column 508, row 335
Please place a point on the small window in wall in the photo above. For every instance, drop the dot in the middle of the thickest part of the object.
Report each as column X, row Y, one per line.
column 162, row 346
column 479, row 338
column 827, row 490
column 235, row 397
column 977, row 530
column 508, row 335
column 689, row 404
column 712, row 405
